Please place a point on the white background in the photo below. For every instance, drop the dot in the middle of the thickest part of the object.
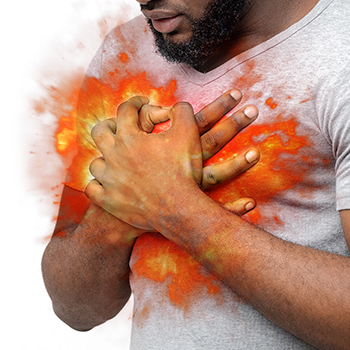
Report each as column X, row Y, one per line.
column 38, row 44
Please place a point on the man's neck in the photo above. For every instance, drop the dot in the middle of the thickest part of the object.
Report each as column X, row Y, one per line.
column 261, row 21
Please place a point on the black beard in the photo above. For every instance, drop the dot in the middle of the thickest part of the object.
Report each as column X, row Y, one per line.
column 215, row 27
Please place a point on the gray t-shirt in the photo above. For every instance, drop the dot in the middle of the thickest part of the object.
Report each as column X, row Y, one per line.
column 299, row 80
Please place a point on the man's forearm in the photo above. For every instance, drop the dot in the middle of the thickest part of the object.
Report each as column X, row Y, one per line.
column 86, row 270
column 303, row 290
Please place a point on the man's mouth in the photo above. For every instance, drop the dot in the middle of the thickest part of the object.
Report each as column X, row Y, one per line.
column 163, row 21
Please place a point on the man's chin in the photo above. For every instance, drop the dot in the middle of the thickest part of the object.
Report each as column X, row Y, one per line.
column 173, row 38
column 204, row 36
column 176, row 47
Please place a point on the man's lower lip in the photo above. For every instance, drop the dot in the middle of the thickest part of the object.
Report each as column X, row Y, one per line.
column 166, row 25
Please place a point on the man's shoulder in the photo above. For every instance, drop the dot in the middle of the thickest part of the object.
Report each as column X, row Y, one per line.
column 129, row 37
column 129, row 54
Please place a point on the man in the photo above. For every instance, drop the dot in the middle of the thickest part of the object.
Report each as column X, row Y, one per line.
column 278, row 279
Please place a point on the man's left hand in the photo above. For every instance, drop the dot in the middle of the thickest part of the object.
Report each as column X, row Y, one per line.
column 141, row 174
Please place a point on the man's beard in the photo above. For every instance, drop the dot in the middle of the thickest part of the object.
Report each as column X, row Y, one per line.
column 214, row 28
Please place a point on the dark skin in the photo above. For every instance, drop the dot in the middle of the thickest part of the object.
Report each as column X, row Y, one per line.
column 86, row 264
column 261, row 20
column 314, row 304
column 303, row 290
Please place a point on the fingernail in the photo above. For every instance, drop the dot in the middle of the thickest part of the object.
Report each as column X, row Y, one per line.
column 251, row 112
column 236, row 94
column 251, row 156
column 249, row 206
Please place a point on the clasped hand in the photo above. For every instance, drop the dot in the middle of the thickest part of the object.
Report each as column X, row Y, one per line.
column 141, row 175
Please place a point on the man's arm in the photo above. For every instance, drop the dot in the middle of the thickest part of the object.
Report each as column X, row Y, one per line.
column 303, row 290
column 86, row 264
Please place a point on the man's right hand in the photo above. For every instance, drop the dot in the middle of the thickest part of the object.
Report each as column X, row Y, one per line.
column 213, row 138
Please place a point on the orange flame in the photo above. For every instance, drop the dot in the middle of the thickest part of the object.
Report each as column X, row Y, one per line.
column 92, row 109
column 157, row 258
column 161, row 260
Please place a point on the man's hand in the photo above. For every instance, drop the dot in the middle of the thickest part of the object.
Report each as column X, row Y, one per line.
column 131, row 187
column 213, row 137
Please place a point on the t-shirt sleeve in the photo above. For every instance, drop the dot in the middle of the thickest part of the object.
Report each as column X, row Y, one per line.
column 335, row 115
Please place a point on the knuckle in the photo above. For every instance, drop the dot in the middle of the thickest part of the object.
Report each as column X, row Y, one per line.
column 210, row 178
column 92, row 166
column 122, row 106
column 237, row 166
column 202, row 120
column 100, row 129
column 236, row 123
column 96, row 131
column 183, row 105
column 227, row 104
column 93, row 193
column 88, row 191
column 146, row 121
column 209, row 142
